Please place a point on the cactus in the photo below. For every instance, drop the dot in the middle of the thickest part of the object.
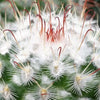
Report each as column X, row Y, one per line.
column 50, row 54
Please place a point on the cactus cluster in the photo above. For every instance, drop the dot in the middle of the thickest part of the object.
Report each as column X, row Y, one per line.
column 50, row 54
